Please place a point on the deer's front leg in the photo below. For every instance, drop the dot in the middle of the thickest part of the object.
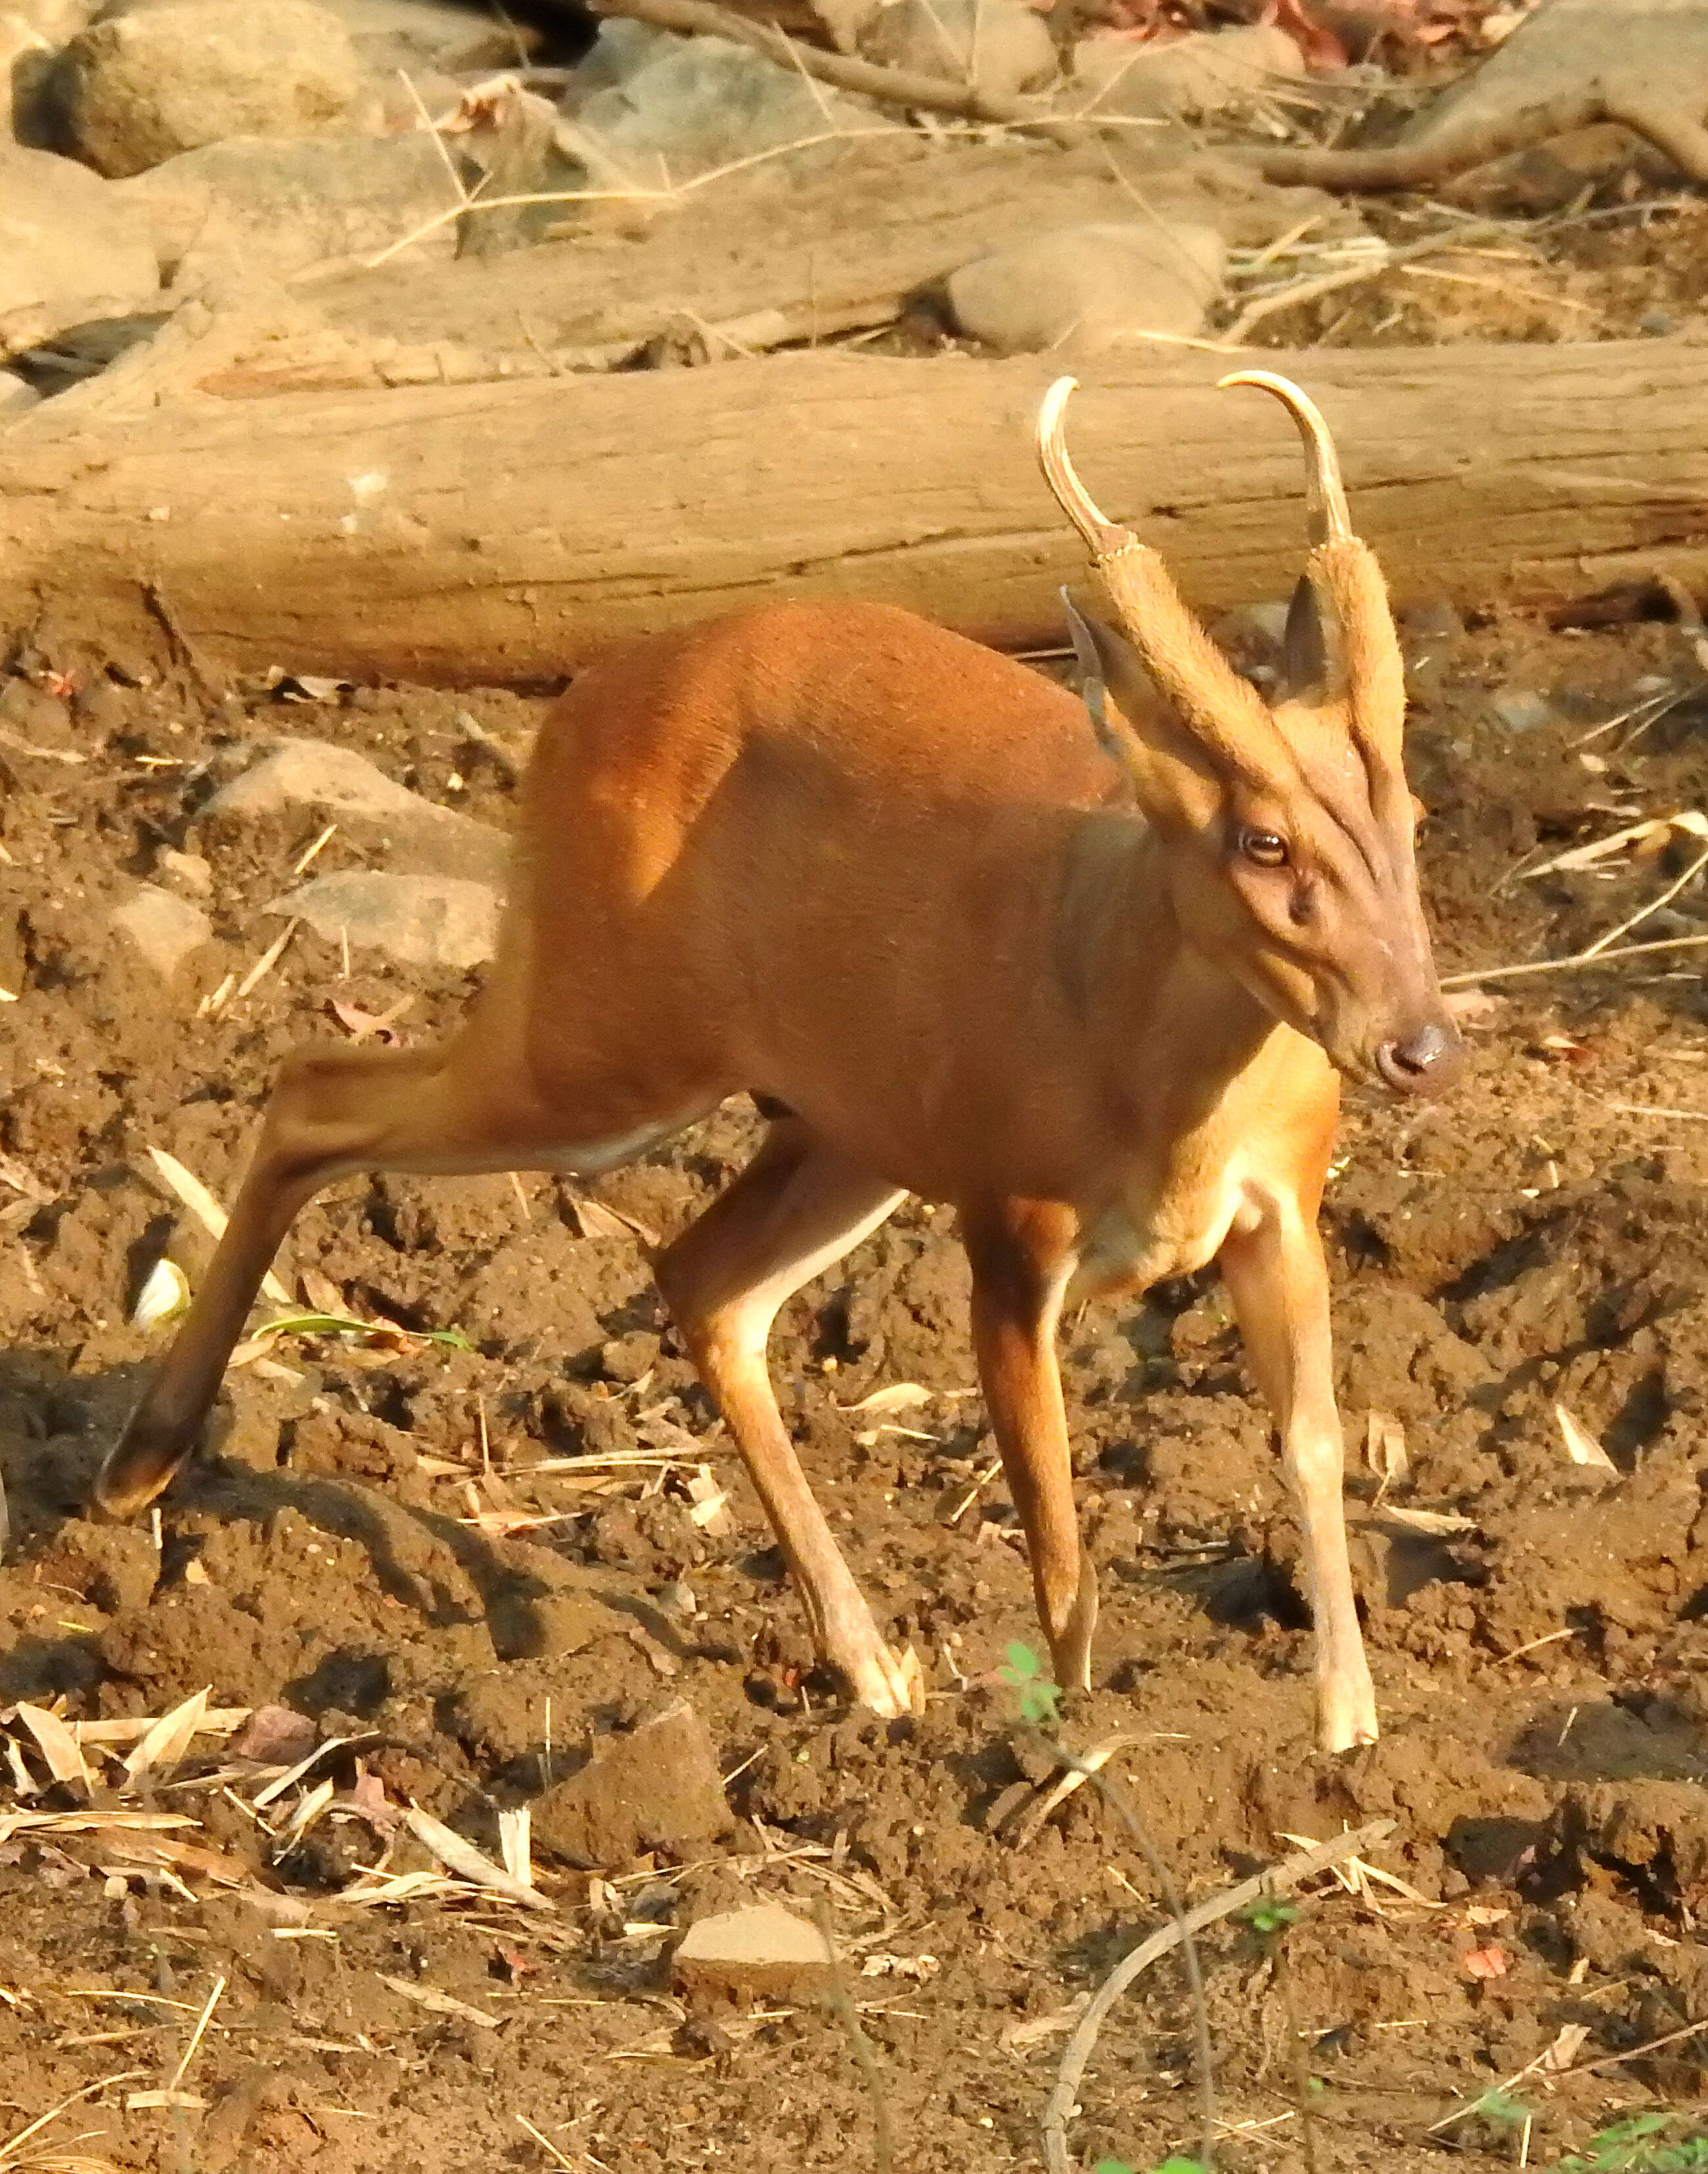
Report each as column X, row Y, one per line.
column 1021, row 1259
column 1278, row 1283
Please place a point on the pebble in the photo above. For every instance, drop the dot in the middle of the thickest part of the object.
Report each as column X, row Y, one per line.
column 165, row 928
column 763, row 1953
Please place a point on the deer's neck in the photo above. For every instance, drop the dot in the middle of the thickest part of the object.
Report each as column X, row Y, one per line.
column 1170, row 1027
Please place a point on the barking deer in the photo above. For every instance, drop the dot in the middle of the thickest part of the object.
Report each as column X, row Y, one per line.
column 1094, row 989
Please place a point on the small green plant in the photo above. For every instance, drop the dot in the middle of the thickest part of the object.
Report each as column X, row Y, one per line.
column 1174, row 2165
column 1040, row 1700
column 1270, row 1917
column 1502, row 2107
column 1638, row 2145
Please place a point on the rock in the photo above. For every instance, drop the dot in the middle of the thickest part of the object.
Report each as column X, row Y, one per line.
column 164, row 928
column 1207, row 72
column 1087, row 288
column 419, row 34
column 70, row 249
column 656, row 1788
column 696, row 102
column 1000, row 45
column 1639, row 47
column 190, row 872
column 16, row 397
column 421, row 921
column 744, row 1956
column 139, row 87
column 31, row 32
column 1654, row 1831
column 279, row 207
column 335, row 784
column 1521, row 709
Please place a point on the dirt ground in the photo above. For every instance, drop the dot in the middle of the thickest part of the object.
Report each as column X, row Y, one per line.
column 1539, row 1239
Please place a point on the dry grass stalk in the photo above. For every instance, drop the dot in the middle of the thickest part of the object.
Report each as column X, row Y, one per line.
column 207, row 1210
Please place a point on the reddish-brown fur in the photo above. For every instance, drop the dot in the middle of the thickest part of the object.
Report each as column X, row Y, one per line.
column 834, row 855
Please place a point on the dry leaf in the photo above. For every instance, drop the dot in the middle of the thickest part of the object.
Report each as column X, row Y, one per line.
column 1467, row 1006
column 56, row 1745
column 595, row 1221
column 440, row 2003
column 899, row 1397
column 360, row 1024
column 515, row 1843
column 1580, row 1444
column 468, row 1862
column 1437, row 1523
column 1027, row 2031
column 368, row 1800
column 710, row 1511
column 1484, row 1962
column 1563, row 2050
column 1385, row 1448
column 166, row 1742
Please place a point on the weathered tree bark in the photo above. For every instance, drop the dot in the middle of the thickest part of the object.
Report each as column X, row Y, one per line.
column 501, row 533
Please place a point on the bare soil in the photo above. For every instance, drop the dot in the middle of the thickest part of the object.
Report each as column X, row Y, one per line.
column 345, row 1554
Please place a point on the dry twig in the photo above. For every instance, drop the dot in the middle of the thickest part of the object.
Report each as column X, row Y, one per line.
column 1279, row 1880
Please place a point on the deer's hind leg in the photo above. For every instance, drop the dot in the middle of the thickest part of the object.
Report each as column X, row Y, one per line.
column 796, row 1210
column 455, row 1108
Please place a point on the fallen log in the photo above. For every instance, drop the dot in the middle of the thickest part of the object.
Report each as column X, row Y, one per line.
column 500, row 533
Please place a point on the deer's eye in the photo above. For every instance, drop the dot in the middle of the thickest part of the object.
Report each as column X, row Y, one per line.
column 1267, row 848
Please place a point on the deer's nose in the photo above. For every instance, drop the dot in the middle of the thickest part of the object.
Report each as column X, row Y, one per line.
column 1420, row 1062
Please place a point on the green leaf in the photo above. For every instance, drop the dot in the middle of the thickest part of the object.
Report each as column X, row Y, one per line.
column 1271, row 1916
column 338, row 1324
column 1501, row 2106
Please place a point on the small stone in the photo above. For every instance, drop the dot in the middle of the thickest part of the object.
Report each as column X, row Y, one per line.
column 1087, row 288
column 656, row 1788
column 741, row 1957
column 141, row 86
column 190, row 872
column 423, row 921
column 71, row 250
column 1434, row 619
column 164, row 928
column 1000, row 46
column 628, row 1358
column 1521, row 709
column 1207, row 72
column 98, row 706
column 335, row 784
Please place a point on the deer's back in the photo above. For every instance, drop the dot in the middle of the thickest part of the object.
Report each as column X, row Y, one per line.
column 797, row 843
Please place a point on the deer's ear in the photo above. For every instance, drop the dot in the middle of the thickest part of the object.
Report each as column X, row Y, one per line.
column 1175, row 784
